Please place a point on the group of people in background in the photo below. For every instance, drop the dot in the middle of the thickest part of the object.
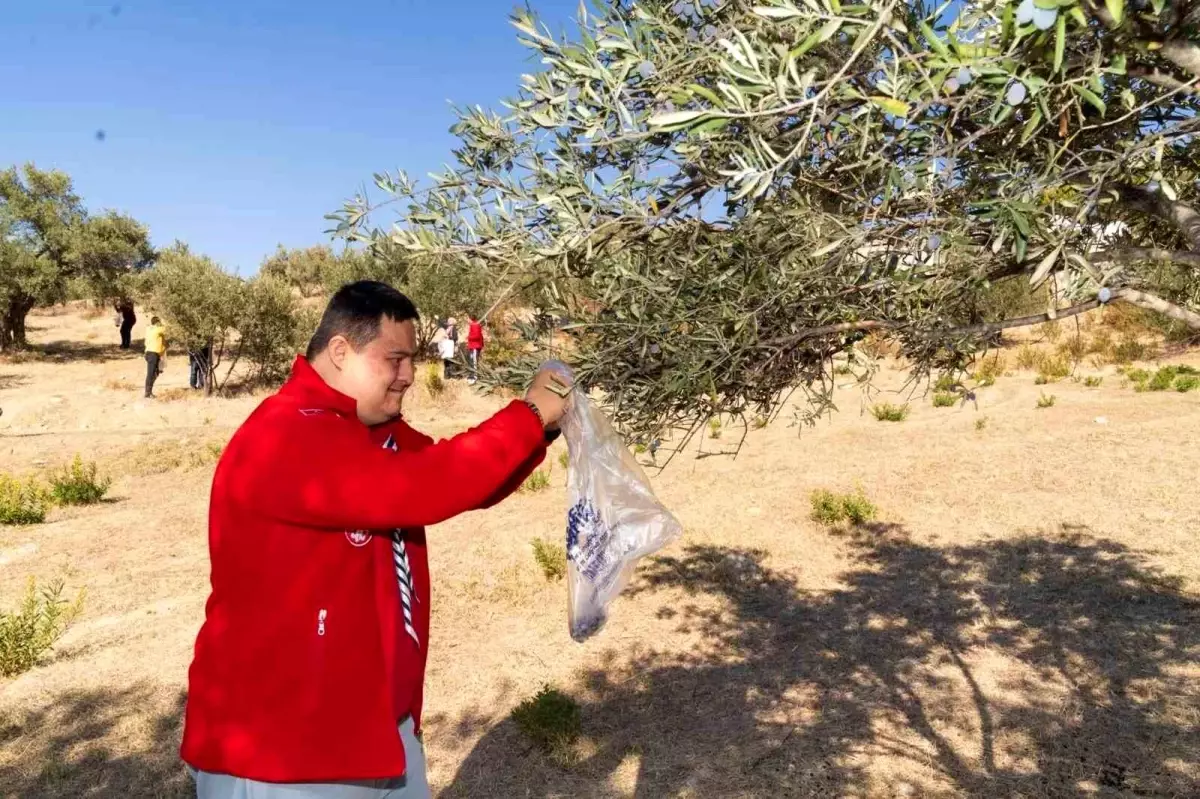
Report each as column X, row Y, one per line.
column 199, row 361
column 448, row 348
column 156, row 349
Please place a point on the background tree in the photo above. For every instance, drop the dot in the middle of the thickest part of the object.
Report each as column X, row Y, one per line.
column 726, row 193
column 445, row 289
column 25, row 279
column 49, row 239
column 258, row 324
column 271, row 328
column 307, row 270
column 199, row 302
column 440, row 287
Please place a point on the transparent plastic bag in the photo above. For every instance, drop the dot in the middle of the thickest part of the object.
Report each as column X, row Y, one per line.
column 613, row 520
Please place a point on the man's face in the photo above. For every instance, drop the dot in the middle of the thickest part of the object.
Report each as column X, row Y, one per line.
column 378, row 374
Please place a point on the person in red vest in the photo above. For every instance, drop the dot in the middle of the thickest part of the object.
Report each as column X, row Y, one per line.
column 474, row 344
column 308, row 673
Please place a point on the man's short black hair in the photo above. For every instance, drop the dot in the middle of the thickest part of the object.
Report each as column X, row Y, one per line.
column 354, row 312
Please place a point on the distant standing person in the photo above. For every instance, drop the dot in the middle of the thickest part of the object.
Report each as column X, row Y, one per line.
column 126, row 319
column 156, row 348
column 474, row 344
column 198, row 363
column 446, row 351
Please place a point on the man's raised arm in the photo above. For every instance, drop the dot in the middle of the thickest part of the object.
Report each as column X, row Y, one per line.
column 323, row 471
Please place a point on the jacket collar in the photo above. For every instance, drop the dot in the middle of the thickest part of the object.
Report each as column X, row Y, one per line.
column 310, row 389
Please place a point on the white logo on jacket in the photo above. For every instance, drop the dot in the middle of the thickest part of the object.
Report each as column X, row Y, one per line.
column 358, row 538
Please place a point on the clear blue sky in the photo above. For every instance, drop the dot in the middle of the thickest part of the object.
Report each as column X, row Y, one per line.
column 235, row 125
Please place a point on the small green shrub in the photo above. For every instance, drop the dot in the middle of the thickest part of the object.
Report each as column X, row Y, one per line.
column 946, row 382
column 1181, row 378
column 1186, row 383
column 826, row 507
column 434, row 382
column 1047, row 401
column 1053, row 369
column 944, row 399
column 1050, row 331
column 858, row 508
column 1093, row 381
column 843, row 370
column 1101, row 343
column 1162, row 379
column 564, row 458
column 1029, row 357
column 829, row 508
column 1074, row 348
column 887, row 412
column 1128, row 350
column 79, row 483
column 760, row 421
column 981, row 423
column 991, row 367
column 551, row 720
column 29, row 631
column 1041, row 380
column 23, row 500
column 1138, row 377
column 538, row 481
column 714, row 428
column 551, row 559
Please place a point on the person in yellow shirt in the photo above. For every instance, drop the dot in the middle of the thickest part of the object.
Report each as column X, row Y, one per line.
column 156, row 348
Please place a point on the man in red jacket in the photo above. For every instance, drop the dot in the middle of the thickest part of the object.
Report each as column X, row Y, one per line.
column 308, row 673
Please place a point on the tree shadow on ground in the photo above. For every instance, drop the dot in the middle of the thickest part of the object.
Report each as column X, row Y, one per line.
column 1043, row 666
column 11, row 380
column 85, row 744
column 77, row 352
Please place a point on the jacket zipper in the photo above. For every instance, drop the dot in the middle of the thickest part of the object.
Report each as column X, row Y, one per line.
column 321, row 621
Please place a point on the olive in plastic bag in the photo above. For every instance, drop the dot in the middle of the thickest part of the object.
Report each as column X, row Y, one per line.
column 613, row 520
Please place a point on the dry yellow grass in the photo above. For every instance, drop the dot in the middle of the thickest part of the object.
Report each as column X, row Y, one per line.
column 1022, row 621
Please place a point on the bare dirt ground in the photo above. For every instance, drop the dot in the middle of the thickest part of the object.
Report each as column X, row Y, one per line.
column 1024, row 620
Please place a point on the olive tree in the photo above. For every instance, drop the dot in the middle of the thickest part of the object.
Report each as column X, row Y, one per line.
column 255, row 323
column 307, row 270
column 270, row 328
column 48, row 238
column 439, row 286
column 723, row 194
column 200, row 303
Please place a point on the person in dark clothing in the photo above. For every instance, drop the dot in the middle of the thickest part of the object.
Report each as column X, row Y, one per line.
column 126, row 319
column 199, row 361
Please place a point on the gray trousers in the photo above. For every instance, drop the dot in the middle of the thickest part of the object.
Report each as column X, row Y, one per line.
column 415, row 785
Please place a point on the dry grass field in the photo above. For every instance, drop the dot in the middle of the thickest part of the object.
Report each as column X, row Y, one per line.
column 1022, row 620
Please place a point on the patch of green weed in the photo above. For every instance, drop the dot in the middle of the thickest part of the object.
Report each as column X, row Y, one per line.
column 887, row 412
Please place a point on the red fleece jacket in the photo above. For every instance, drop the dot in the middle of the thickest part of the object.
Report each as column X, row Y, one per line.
column 302, row 667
